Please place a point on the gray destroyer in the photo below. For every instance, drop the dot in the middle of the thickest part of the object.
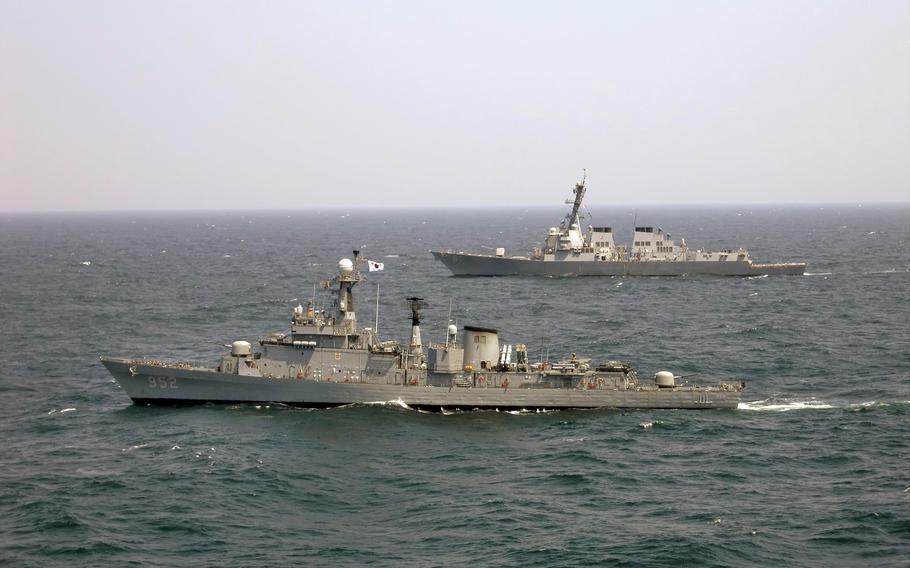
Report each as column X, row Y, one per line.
column 570, row 251
column 328, row 360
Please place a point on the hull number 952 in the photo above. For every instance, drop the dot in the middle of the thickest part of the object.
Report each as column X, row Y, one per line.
column 162, row 382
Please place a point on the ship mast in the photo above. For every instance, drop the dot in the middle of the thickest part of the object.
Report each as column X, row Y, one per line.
column 579, row 192
column 415, row 304
column 348, row 276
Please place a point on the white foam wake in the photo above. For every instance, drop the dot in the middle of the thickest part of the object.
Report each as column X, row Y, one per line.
column 397, row 402
column 768, row 405
column 775, row 405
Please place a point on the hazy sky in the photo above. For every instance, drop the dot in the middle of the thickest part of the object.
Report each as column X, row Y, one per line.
column 175, row 105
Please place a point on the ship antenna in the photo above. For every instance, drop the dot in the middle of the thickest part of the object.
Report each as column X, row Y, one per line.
column 376, row 326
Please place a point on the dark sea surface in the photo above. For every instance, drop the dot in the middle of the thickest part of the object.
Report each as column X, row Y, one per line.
column 813, row 469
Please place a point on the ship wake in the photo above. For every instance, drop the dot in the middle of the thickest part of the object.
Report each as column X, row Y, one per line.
column 786, row 405
column 782, row 405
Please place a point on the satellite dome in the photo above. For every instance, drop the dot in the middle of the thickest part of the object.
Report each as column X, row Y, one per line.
column 453, row 329
column 345, row 266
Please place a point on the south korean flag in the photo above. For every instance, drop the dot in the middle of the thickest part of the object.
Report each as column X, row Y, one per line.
column 375, row 266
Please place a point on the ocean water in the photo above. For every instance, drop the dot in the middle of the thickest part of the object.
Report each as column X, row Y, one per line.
column 812, row 470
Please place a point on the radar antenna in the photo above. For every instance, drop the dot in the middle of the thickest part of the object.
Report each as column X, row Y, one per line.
column 414, row 304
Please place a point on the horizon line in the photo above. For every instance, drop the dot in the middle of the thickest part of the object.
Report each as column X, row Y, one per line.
column 443, row 207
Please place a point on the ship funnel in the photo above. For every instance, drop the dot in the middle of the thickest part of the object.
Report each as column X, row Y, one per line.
column 481, row 347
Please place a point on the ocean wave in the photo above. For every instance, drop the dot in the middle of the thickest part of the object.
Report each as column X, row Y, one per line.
column 888, row 271
column 259, row 302
column 876, row 404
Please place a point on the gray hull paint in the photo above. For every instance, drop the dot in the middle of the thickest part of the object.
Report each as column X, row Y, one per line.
column 467, row 264
column 170, row 385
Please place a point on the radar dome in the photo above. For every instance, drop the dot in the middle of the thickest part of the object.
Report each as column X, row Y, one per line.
column 345, row 266
column 453, row 329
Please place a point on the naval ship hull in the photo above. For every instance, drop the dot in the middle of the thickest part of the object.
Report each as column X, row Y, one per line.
column 468, row 264
column 157, row 384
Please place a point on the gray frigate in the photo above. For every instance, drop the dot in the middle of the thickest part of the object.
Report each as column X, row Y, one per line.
column 571, row 251
column 328, row 360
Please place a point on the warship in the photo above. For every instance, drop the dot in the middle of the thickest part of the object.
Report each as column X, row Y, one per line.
column 570, row 251
column 328, row 360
